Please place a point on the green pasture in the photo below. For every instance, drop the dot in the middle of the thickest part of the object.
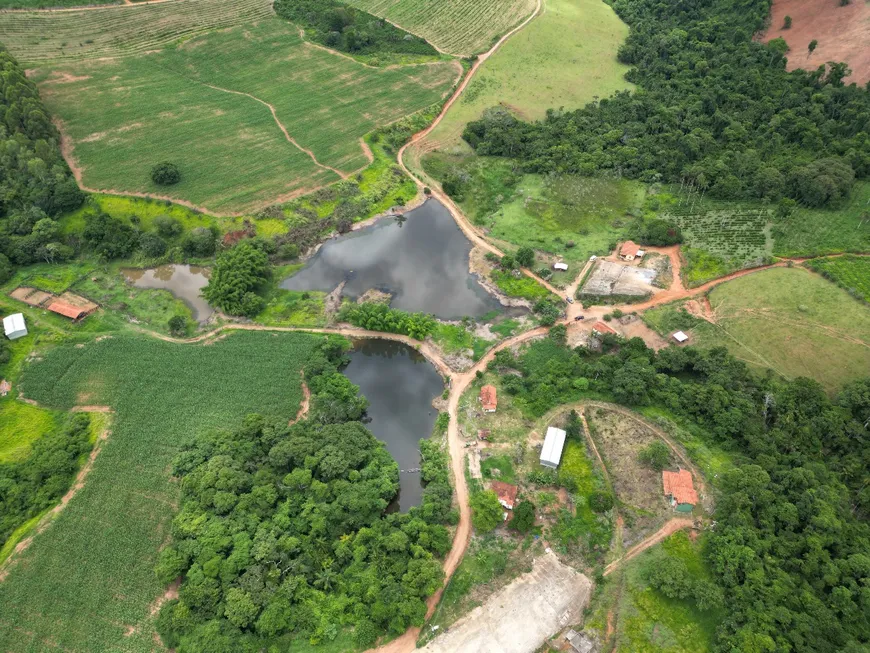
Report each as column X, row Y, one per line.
column 787, row 319
column 89, row 577
column 817, row 232
column 564, row 58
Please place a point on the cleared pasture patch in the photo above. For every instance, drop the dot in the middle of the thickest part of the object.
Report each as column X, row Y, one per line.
column 851, row 273
column 250, row 113
column 564, row 58
column 786, row 319
column 89, row 576
column 460, row 27
column 638, row 488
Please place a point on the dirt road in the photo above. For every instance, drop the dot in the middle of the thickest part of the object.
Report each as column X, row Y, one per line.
column 670, row 527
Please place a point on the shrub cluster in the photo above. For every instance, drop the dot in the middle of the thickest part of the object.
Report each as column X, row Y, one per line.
column 380, row 317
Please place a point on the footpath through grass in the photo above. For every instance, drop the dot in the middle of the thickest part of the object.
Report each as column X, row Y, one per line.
column 89, row 577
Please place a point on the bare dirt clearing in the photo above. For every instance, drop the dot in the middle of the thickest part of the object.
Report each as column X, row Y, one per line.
column 522, row 615
column 843, row 34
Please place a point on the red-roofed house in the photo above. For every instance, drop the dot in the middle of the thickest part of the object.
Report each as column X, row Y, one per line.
column 66, row 309
column 489, row 398
column 506, row 493
column 601, row 328
column 680, row 489
column 629, row 250
column 5, row 387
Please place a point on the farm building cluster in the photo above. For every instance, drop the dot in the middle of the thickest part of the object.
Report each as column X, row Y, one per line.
column 67, row 304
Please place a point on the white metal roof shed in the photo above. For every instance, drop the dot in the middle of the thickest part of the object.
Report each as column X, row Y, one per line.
column 551, row 452
column 679, row 336
column 560, row 266
column 14, row 327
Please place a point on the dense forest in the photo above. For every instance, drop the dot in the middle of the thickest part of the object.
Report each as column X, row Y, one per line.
column 791, row 541
column 713, row 109
column 29, row 487
column 283, row 535
column 342, row 27
column 35, row 182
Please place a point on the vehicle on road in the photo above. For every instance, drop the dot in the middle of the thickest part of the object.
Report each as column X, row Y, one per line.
column 579, row 317
column 569, row 300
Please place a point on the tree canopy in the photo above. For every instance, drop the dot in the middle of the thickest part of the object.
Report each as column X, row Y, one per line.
column 236, row 275
column 713, row 108
column 282, row 532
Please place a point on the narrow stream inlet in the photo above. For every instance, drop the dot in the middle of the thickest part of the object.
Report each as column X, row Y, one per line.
column 421, row 259
column 400, row 385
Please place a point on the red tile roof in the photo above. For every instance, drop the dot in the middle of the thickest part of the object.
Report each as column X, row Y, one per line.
column 679, row 486
column 602, row 328
column 488, row 397
column 507, row 493
column 66, row 309
column 629, row 248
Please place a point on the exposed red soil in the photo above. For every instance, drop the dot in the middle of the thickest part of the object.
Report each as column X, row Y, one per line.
column 843, row 34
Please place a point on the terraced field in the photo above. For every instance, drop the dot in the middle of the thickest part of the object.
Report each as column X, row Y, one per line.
column 249, row 112
column 456, row 26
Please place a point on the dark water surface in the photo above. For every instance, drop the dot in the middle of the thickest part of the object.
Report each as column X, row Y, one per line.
column 421, row 259
column 400, row 385
column 183, row 281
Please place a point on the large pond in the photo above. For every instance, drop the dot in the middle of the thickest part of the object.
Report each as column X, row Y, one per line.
column 400, row 385
column 421, row 259
column 183, row 281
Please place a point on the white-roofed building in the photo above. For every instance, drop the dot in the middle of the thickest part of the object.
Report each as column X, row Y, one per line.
column 560, row 266
column 14, row 327
column 551, row 452
column 680, row 337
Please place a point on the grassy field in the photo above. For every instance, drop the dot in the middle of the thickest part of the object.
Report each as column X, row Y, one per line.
column 89, row 577
column 851, row 273
column 204, row 103
column 789, row 320
column 646, row 621
column 564, row 58
column 461, row 27
column 816, row 232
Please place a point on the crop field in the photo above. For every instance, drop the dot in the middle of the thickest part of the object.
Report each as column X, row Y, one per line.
column 87, row 582
column 461, row 27
column 564, row 58
column 789, row 320
column 720, row 237
column 207, row 104
column 851, row 273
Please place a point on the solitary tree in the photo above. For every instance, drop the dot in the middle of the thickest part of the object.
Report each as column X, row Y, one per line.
column 787, row 23
column 165, row 174
column 524, row 517
column 811, row 47
column 525, row 257
column 486, row 511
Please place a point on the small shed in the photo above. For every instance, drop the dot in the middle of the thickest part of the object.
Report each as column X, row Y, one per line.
column 506, row 493
column 488, row 398
column 629, row 250
column 551, row 452
column 14, row 326
column 680, row 490
column 560, row 266
column 680, row 337
column 66, row 309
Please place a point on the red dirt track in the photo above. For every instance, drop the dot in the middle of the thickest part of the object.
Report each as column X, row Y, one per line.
column 843, row 34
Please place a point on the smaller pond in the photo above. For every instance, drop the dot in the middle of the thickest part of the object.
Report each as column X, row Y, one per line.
column 421, row 259
column 400, row 385
column 183, row 281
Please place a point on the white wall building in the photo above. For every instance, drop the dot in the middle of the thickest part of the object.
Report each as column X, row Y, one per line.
column 14, row 327
column 551, row 452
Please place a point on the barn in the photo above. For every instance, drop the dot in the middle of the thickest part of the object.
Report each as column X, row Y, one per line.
column 551, row 452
